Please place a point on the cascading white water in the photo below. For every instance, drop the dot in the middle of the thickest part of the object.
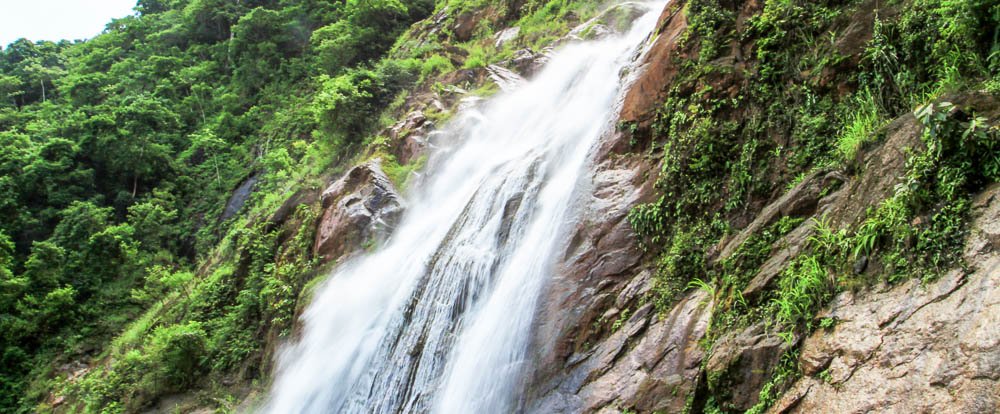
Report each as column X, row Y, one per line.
column 439, row 318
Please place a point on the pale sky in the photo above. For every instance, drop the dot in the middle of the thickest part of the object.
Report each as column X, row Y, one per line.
column 58, row 19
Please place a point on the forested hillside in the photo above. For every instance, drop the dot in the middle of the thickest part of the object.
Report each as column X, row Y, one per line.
column 161, row 188
column 120, row 155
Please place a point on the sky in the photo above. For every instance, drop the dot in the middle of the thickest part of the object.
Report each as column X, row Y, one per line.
column 58, row 19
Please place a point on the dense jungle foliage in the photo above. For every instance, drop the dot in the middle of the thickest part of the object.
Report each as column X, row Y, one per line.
column 118, row 155
column 126, row 271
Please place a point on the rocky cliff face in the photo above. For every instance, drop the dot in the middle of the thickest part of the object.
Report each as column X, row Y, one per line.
column 912, row 346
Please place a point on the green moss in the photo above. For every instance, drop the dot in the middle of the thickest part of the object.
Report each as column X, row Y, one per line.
column 401, row 174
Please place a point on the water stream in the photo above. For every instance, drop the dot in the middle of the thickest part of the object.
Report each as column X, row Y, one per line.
column 438, row 318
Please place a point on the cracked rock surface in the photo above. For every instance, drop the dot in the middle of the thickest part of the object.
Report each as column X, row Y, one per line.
column 939, row 341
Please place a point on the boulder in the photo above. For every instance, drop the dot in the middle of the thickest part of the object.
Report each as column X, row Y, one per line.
column 411, row 133
column 360, row 207
column 525, row 62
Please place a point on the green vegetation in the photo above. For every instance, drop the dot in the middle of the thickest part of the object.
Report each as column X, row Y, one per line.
column 804, row 96
column 118, row 155
column 126, row 273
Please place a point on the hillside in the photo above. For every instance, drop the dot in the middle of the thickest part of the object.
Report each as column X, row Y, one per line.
column 796, row 209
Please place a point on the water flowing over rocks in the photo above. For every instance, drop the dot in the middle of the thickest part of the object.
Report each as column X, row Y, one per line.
column 599, row 346
column 615, row 19
column 413, row 325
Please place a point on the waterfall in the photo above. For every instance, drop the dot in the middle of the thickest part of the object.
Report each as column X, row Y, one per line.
column 438, row 318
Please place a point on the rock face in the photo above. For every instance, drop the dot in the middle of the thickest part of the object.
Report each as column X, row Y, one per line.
column 881, row 169
column 525, row 62
column 641, row 365
column 659, row 69
column 742, row 362
column 598, row 348
column 239, row 197
column 913, row 348
column 361, row 206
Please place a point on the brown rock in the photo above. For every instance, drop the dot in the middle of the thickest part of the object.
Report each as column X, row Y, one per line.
column 412, row 135
column 525, row 62
column 783, row 251
column 305, row 196
column 615, row 19
column 600, row 269
column 465, row 25
column 359, row 207
column 882, row 168
column 658, row 69
column 985, row 236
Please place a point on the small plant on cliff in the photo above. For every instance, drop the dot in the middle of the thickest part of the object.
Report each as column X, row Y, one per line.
column 805, row 286
column 863, row 121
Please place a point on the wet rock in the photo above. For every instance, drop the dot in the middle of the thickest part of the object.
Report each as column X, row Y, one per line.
column 525, row 62
column 650, row 364
column 783, row 251
column 470, row 102
column 636, row 288
column 361, row 206
column 600, row 261
column 504, row 78
column 800, row 201
column 881, row 169
column 413, row 122
column 412, row 135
